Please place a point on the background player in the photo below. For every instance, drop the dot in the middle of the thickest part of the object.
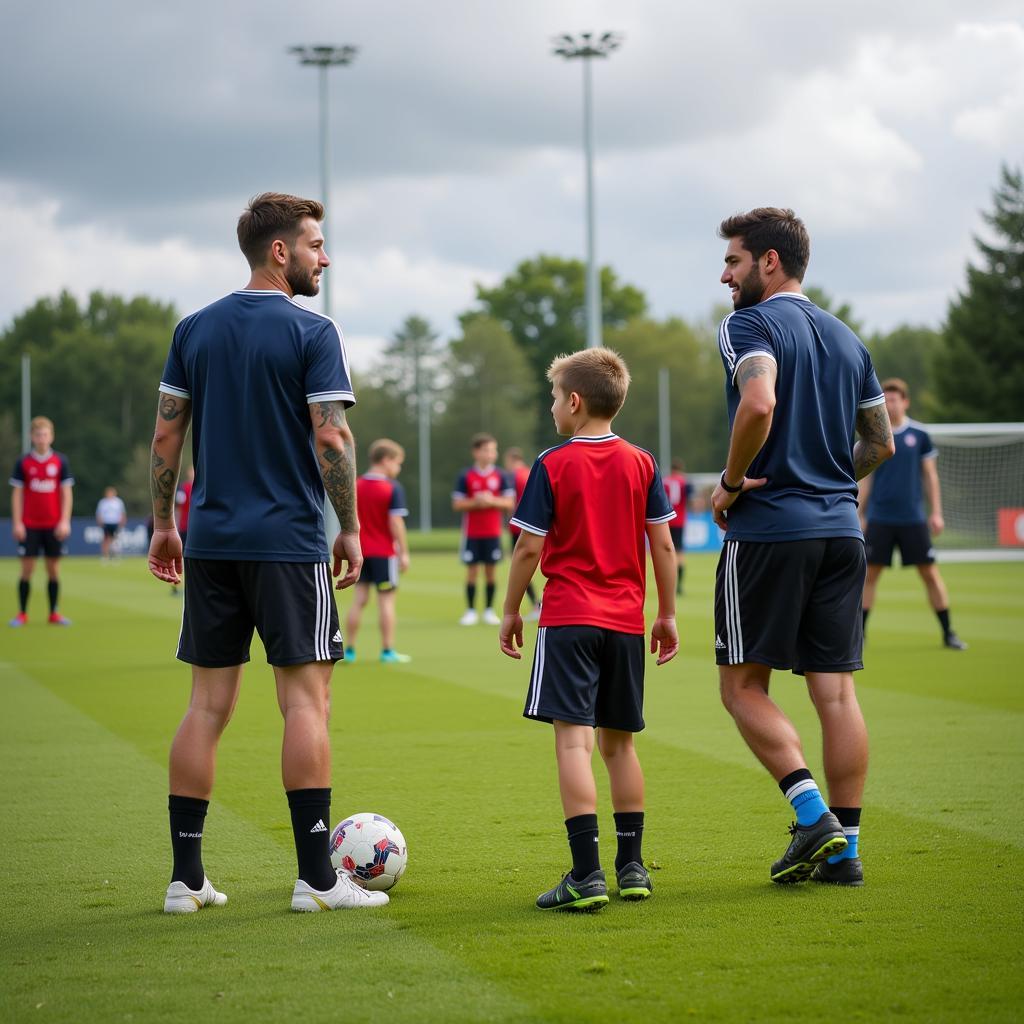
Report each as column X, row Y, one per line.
column 112, row 516
column 256, row 372
column 483, row 493
column 678, row 492
column 516, row 467
column 41, row 502
column 787, row 591
column 382, row 508
column 588, row 507
column 892, row 510
column 182, row 507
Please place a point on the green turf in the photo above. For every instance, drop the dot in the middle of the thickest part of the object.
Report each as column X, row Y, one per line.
column 439, row 746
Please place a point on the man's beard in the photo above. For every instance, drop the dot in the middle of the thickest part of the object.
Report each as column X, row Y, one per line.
column 751, row 290
column 302, row 282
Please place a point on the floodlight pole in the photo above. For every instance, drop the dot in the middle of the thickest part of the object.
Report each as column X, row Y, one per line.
column 324, row 57
column 585, row 47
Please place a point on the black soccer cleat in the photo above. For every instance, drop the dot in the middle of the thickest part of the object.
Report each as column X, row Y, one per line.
column 590, row 894
column 810, row 844
column 848, row 871
column 953, row 642
column 634, row 882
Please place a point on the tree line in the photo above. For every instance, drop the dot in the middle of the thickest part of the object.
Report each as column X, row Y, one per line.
column 95, row 368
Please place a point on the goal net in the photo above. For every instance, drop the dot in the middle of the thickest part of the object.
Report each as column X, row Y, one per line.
column 981, row 472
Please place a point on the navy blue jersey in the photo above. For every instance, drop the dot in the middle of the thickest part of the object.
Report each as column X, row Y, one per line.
column 896, row 493
column 252, row 363
column 824, row 375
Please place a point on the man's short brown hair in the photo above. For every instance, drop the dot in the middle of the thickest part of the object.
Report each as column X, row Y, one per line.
column 385, row 448
column 598, row 375
column 770, row 227
column 269, row 216
column 479, row 440
column 895, row 384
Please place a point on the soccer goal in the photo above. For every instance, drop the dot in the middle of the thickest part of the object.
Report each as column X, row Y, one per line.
column 981, row 472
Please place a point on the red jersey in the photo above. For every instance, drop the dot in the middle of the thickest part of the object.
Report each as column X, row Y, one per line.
column 678, row 491
column 521, row 475
column 41, row 477
column 378, row 497
column 591, row 499
column 183, row 500
column 483, row 522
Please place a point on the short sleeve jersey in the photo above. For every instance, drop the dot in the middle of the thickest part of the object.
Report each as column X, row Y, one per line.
column 677, row 490
column 41, row 477
column 519, row 478
column 483, row 522
column 183, row 501
column 110, row 511
column 252, row 363
column 824, row 376
column 590, row 499
column 378, row 497
column 896, row 491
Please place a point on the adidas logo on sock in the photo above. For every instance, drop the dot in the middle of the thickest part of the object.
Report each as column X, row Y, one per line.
column 336, row 639
column 318, row 827
column 719, row 646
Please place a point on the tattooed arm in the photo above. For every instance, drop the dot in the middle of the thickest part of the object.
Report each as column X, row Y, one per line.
column 172, row 419
column 336, row 453
column 874, row 444
column 755, row 379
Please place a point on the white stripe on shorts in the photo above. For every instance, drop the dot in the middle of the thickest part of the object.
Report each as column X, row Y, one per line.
column 323, row 613
column 538, row 672
column 733, row 627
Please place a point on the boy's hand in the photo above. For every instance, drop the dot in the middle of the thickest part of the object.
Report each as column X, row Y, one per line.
column 664, row 640
column 511, row 630
column 403, row 562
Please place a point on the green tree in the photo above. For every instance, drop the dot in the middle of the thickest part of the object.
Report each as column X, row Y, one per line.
column 541, row 303
column 95, row 371
column 844, row 311
column 979, row 373
column 909, row 352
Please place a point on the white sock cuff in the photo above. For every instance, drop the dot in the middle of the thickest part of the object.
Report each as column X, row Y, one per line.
column 800, row 787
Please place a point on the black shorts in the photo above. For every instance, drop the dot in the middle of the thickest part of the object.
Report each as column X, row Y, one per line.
column 38, row 542
column 794, row 604
column 913, row 540
column 290, row 604
column 677, row 537
column 110, row 529
column 587, row 676
column 480, row 549
column 380, row 572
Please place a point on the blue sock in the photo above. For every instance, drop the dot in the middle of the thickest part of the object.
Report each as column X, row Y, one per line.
column 800, row 789
column 849, row 818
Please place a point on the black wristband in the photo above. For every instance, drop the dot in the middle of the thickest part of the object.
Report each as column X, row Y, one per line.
column 727, row 488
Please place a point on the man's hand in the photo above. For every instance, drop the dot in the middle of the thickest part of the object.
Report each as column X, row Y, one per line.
column 165, row 561
column 664, row 639
column 403, row 562
column 347, row 549
column 62, row 530
column 18, row 529
column 722, row 500
column 936, row 523
column 511, row 631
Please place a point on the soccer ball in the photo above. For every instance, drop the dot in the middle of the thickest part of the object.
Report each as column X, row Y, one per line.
column 371, row 849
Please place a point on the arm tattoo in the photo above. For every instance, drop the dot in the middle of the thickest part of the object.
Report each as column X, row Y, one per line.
column 755, row 366
column 172, row 407
column 161, row 487
column 338, row 467
column 872, row 448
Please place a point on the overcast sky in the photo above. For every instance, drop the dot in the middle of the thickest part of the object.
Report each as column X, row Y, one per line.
column 132, row 134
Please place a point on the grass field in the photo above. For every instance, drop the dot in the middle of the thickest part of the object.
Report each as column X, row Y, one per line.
column 439, row 746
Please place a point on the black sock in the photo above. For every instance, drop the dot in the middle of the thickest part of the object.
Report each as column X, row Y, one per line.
column 490, row 595
column 679, row 578
column 187, row 816
column 943, row 618
column 470, row 595
column 311, row 810
column 531, row 594
column 23, row 588
column 53, row 589
column 582, row 831
column 864, row 620
column 629, row 831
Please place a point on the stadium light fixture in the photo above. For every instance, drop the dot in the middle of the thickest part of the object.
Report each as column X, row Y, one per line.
column 324, row 57
column 586, row 46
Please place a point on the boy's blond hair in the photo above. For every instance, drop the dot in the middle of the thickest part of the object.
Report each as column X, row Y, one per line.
column 385, row 448
column 598, row 375
column 41, row 421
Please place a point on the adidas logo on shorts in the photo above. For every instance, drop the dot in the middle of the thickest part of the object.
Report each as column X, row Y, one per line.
column 719, row 646
column 336, row 639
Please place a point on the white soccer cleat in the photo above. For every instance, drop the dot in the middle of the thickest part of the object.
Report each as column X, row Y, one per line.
column 180, row 899
column 345, row 895
column 469, row 617
column 491, row 618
